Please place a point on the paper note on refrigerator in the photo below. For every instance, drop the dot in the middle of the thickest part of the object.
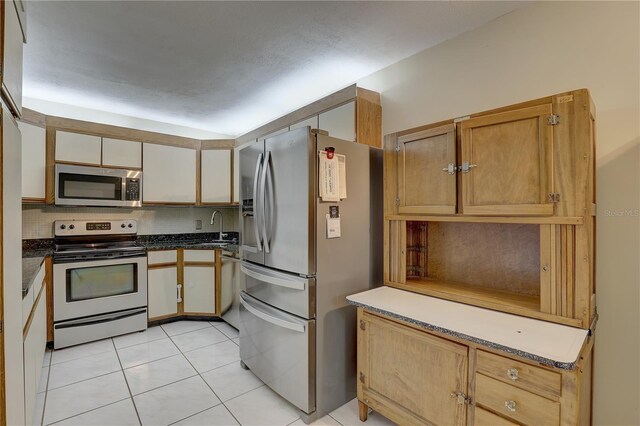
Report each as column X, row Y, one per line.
column 342, row 166
column 332, row 174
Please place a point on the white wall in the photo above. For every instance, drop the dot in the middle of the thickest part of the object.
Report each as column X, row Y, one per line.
column 115, row 119
column 540, row 50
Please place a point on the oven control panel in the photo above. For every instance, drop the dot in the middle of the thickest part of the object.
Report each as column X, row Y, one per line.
column 69, row 228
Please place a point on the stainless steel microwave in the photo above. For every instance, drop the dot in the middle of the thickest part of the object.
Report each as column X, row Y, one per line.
column 96, row 186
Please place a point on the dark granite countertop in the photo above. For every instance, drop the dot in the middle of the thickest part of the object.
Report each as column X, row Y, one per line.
column 30, row 268
column 195, row 241
column 33, row 254
column 34, row 251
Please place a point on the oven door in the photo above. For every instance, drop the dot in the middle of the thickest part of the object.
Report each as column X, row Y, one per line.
column 93, row 287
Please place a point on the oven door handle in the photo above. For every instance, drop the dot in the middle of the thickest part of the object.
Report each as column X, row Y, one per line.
column 72, row 258
column 100, row 319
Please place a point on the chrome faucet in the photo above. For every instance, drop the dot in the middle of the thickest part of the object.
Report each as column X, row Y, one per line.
column 221, row 234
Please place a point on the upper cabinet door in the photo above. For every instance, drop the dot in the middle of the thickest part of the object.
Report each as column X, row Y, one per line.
column 34, row 161
column 78, row 148
column 216, row 175
column 12, row 56
column 427, row 171
column 169, row 174
column 236, row 175
column 121, row 153
column 340, row 122
column 506, row 163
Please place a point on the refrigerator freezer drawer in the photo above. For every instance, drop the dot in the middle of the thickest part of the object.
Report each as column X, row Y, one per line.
column 279, row 348
column 289, row 292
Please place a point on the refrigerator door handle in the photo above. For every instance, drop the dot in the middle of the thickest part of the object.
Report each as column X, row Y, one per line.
column 269, row 195
column 256, row 208
column 294, row 326
column 282, row 282
column 263, row 203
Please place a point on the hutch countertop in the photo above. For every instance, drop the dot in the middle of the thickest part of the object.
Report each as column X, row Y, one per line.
column 550, row 344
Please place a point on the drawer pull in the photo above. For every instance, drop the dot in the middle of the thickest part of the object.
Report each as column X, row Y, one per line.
column 510, row 405
column 512, row 373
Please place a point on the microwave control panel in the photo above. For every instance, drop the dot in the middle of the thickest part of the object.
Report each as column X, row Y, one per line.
column 132, row 189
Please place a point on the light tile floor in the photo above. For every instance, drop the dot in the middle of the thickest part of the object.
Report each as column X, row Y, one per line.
column 181, row 373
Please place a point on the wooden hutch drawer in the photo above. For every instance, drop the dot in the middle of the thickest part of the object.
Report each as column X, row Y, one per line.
column 487, row 418
column 515, row 403
column 534, row 379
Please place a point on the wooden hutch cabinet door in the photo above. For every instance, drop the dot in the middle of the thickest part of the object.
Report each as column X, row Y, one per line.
column 506, row 163
column 427, row 171
column 410, row 373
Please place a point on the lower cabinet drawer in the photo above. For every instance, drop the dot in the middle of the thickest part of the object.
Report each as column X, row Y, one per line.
column 529, row 377
column 487, row 418
column 517, row 404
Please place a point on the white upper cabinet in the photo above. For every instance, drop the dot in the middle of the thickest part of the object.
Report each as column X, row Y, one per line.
column 340, row 122
column 12, row 55
column 78, row 148
column 33, row 161
column 311, row 122
column 236, row 175
column 121, row 153
column 216, row 176
column 169, row 174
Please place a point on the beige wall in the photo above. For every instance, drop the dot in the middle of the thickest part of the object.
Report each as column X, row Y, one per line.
column 540, row 50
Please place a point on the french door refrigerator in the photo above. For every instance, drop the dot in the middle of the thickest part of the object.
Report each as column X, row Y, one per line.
column 297, row 333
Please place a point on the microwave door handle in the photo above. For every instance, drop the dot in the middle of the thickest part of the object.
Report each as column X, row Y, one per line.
column 256, row 216
column 271, row 319
column 263, row 201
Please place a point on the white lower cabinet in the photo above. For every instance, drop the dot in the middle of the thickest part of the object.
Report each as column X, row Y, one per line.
column 35, row 343
column 163, row 291
column 199, row 289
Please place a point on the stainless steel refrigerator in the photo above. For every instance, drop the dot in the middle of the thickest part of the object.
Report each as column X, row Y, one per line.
column 297, row 333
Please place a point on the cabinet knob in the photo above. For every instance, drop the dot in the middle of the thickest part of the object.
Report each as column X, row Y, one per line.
column 510, row 405
column 512, row 373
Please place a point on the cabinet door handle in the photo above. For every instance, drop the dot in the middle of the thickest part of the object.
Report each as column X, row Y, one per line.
column 179, row 298
column 466, row 167
column 513, row 373
column 510, row 405
column 451, row 169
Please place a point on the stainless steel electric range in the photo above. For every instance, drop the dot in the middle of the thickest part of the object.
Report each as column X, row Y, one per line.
column 99, row 281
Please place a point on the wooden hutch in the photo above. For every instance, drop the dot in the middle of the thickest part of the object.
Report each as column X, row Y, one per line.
column 495, row 211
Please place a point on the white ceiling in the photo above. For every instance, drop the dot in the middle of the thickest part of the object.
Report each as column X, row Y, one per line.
column 225, row 67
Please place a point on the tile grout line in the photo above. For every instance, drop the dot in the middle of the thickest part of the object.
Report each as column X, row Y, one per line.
column 127, row 383
column 46, row 391
column 88, row 411
column 206, row 383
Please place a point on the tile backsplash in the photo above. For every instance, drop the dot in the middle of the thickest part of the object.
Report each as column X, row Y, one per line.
column 37, row 220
